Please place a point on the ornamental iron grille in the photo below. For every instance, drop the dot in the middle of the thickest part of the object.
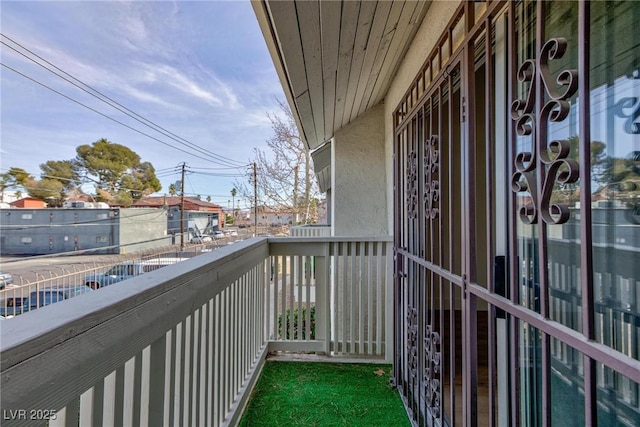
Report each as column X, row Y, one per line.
column 432, row 370
column 550, row 159
column 412, row 185
column 430, row 160
column 412, row 343
column 431, row 183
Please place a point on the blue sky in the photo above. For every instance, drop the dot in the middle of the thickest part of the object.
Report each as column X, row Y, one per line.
column 199, row 69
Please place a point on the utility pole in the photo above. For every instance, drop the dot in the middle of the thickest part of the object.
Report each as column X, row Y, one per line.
column 255, row 199
column 182, row 209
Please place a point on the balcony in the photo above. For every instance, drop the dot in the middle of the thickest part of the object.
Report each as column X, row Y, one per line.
column 185, row 345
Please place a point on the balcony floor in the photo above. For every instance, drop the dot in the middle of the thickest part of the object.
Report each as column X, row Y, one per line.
column 292, row 393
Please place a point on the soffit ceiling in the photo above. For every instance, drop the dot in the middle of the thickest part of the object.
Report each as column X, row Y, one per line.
column 336, row 59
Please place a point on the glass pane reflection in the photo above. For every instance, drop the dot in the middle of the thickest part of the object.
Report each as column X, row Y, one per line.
column 615, row 145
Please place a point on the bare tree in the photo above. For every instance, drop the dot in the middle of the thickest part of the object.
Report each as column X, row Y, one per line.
column 285, row 178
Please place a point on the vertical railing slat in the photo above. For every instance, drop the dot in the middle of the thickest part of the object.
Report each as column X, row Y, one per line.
column 379, row 299
column 353, row 296
column 118, row 396
column 187, row 376
column 299, row 266
column 97, row 408
column 236, row 340
column 309, row 266
column 343, row 304
column 210, row 398
column 275, row 275
column 157, row 383
column 137, row 385
column 371, row 280
column 177, row 383
column 143, row 404
column 224, row 361
column 194, row 377
column 202, row 369
column 269, row 304
column 86, row 409
column 128, row 396
column 108, row 410
column 218, row 349
column 362, row 284
column 387, row 299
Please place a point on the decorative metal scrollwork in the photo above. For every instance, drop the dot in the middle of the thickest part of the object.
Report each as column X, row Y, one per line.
column 432, row 370
column 431, row 182
column 412, row 184
column 548, row 158
column 631, row 124
column 412, row 342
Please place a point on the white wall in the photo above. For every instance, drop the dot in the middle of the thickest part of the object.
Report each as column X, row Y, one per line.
column 359, row 200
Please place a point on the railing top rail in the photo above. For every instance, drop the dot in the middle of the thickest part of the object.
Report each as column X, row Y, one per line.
column 325, row 239
column 35, row 332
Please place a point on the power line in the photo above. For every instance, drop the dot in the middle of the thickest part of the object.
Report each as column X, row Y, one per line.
column 219, row 159
column 98, row 112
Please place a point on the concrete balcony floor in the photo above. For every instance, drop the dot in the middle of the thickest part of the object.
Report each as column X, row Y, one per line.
column 317, row 391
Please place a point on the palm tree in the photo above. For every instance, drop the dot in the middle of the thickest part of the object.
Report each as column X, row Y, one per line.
column 233, row 205
column 172, row 189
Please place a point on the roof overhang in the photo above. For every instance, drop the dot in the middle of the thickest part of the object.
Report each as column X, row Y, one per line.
column 322, row 166
column 336, row 59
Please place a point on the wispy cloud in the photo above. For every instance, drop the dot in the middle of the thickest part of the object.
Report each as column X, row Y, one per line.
column 180, row 81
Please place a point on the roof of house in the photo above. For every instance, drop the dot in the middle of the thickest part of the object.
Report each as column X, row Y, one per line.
column 27, row 199
column 172, row 201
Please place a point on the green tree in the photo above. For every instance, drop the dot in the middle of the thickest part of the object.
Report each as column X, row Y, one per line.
column 12, row 178
column 570, row 193
column 49, row 190
column 63, row 171
column 172, row 190
column 116, row 170
column 620, row 178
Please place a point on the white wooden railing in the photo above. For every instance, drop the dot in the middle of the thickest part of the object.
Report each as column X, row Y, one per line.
column 310, row 231
column 184, row 345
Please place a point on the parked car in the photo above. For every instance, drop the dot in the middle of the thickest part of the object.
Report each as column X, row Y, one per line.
column 5, row 279
column 17, row 305
column 218, row 234
column 201, row 238
column 52, row 295
column 127, row 270
column 13, row 306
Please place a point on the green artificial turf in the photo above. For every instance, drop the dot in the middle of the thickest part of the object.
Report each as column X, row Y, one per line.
column 324, row 394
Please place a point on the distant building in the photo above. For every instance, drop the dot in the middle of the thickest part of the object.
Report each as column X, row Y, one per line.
column 200, row 217
column 29, row 202
column 54, row 230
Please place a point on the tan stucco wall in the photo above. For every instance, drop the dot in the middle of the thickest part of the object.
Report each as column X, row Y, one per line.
column 359, row 182
column 435, row 22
